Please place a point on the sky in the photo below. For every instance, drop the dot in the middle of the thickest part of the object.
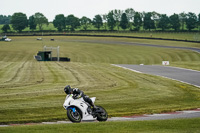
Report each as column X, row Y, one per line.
column 90, row 8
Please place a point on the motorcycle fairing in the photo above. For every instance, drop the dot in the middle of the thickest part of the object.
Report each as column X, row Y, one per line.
column 80, row 104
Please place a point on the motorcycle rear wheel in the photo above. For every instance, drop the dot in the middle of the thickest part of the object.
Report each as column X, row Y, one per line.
column 102, row 116
column 74, row 116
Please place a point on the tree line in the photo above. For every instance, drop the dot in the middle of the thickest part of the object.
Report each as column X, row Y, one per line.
column 128, row 19
column 5, row 19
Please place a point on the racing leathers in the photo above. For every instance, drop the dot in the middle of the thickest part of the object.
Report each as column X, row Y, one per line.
column 78, row 94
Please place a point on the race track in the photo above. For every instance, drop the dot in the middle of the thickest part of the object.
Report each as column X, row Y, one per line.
column 183, row 75
column 136, row 44
column 164, row 116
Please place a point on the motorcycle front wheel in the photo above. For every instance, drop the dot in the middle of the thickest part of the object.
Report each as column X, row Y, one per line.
column 103, row 116
column 74, row 115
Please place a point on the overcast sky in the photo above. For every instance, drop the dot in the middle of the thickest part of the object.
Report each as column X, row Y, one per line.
column 90, row 8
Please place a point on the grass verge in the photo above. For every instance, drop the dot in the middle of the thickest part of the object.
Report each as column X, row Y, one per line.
column 157, row 126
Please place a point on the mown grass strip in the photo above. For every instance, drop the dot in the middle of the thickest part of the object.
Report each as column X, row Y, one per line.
column 158, row 126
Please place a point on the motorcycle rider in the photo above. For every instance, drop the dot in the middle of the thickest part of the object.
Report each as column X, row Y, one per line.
column 78, row 94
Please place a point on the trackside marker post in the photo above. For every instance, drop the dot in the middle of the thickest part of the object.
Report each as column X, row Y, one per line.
column 165, row 63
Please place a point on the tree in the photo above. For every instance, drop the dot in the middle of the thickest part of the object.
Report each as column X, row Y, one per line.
column 175, row 22
column 164, row 22
column 40, row 20
column 5, row 28
column 73, row 22
column 130, row 12
column 117, row 14
column 148, row 21
column 97, row 21
column 32, row 23
column 182, row 17
column 191, row 21
column 5, row 19
column 111, row 20
column 59, row 22
column 124, row 21
column 156, row 17
column 19, row 21
column 85, row 22
column 137, row 21
column 104, row 17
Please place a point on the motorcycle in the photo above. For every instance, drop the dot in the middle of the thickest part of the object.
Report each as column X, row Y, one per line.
column 78, row 110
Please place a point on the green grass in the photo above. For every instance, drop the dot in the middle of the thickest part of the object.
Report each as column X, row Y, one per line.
column 32, row 91
column 158, row 126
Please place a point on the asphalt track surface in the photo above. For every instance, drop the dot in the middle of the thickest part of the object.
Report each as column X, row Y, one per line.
column 183, row 75
column 164, row 116
column 136, row 44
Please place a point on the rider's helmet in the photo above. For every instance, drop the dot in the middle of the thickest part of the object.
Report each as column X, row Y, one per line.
column 68, row 89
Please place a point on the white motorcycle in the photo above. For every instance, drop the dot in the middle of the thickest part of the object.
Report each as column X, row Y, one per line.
column 78, row 110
